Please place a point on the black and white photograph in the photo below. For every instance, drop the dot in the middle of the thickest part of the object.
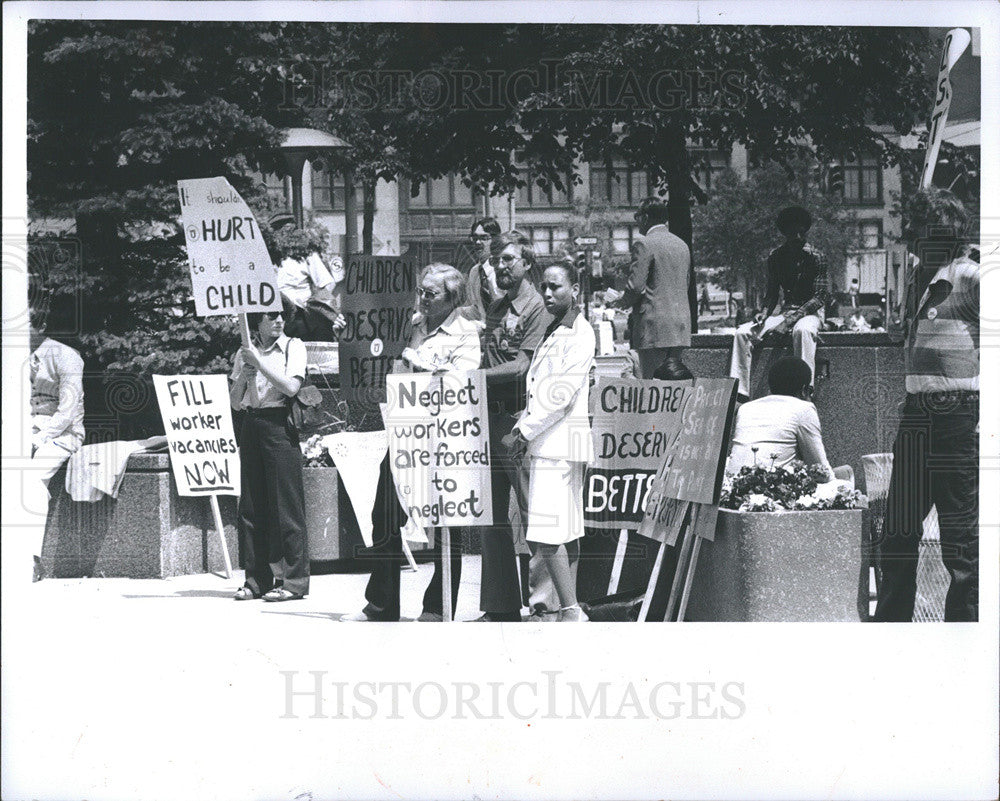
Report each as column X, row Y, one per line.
column 661, row 318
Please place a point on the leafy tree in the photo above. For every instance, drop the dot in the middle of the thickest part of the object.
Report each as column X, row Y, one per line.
column 736, row 228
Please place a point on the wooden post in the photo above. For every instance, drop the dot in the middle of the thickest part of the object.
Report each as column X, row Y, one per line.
column 683, row 561
column 409, row 555
column 616, row 566
column 214, row 501
column 689, row 576
column 446, row 574
column 674, row 529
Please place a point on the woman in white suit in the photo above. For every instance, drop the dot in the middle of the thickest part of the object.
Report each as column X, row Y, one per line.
column 554, row 433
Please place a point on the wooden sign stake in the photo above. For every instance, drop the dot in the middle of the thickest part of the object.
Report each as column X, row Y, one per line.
column 446, row 574
column 214, row 501
column 616, row 566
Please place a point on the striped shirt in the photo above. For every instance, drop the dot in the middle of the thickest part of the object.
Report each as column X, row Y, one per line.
column 942, row 350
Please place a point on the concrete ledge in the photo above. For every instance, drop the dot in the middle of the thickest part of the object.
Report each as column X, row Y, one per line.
column 839, row 339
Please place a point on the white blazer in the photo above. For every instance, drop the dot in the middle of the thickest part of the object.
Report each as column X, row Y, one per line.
column 556, row 421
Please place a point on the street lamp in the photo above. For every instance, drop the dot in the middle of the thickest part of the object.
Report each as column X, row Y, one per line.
column 301, row 144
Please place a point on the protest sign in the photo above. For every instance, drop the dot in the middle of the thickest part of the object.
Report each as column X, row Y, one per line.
column 199, row 427
column 378, row 301
column 439, row 447
column 954, row 45
column 693, row 465
column 634, row 424
column 231, row 270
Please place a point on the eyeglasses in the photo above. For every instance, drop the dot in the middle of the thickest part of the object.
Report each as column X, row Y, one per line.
column 480, row 237
column 274, row 315
column 427, row 294
column 507, row 258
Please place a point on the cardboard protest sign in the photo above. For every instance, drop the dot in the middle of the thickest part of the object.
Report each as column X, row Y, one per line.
column 954, row 45
column 439, row 447
column 199, row 426
column 693, row 466
column 231, row 270
column 635, row 422
column 378, row 301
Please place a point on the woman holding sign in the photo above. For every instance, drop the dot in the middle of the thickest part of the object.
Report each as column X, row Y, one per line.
column 271, row 517
column 443, row 340
column 554, row 434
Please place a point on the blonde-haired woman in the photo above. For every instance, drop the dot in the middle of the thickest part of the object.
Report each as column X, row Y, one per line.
column 443, row 340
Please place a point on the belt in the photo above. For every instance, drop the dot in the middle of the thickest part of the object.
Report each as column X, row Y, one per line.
column 268, row 411
column 949, row 397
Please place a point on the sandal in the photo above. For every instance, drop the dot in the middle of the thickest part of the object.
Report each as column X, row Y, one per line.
column 245, row 594
column 281, row 594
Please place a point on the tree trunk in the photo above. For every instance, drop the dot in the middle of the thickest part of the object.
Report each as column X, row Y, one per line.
column 368, row 221
column 678, row 169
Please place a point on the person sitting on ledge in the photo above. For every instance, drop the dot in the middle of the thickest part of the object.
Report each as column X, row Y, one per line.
column 797, row 273
column 784, row 426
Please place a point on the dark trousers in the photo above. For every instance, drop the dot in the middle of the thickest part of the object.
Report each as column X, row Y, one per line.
column 382, row 592
column 500, row 588
column 271, row 516
column 935, row 461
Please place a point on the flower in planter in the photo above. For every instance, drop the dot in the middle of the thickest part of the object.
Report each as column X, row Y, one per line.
column 795, row 487
column 316, row 453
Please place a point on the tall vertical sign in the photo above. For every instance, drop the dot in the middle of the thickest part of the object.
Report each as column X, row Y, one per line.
column 955, row 42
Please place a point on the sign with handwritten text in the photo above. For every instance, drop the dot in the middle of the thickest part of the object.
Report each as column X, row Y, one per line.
column 439, row 447
column 200, row 439
column 635, row 423
column 378, row 301
column 692, row 468
column 231, row 270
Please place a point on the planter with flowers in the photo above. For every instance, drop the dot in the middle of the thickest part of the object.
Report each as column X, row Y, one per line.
column 787, row 548
column 330, row 522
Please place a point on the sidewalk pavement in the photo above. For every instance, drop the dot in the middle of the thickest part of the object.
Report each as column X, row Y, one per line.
column 209, row 596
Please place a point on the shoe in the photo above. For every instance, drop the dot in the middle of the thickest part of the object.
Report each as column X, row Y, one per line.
column 281, row 594
column 37, row 571
column 572, row 614
column 361, row 617
column 540, row 616
column 245, row 594
column 430, row 617
column 497, row 617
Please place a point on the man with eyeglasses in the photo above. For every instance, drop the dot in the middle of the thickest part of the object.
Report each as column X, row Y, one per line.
column 481, row 288
column 515, row 323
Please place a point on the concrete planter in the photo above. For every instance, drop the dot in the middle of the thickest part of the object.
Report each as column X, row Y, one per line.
column 330, row 523
column 780, row 567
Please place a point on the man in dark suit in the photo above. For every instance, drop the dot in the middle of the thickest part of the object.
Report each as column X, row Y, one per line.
column 657, row 293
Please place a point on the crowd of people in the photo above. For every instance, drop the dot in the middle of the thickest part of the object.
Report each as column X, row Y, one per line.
column 537, row 352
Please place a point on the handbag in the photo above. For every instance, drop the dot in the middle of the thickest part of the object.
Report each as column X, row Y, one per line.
column 304, row 412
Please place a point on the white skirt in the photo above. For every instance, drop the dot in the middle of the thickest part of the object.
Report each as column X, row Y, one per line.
column 555, row 501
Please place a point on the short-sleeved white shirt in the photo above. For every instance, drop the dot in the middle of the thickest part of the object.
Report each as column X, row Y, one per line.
column 286, row 355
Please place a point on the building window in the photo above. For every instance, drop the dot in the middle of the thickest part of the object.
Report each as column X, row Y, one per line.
column 274, row 188
column 443, row 193
column 532, row 196
column 546, row 240
column 870, row 234
column 328, row 189
column 706, row 167
column 858, row 182
column 622, row 238
column 620, row 185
